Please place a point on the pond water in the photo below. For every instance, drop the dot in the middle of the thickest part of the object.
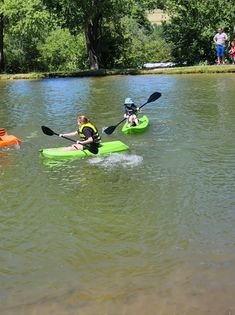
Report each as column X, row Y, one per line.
column 149, row 231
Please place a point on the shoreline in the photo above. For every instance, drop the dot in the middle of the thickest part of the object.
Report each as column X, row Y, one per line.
column 106, row 72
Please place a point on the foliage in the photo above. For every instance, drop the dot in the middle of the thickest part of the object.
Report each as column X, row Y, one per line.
column 27, row 22
column 90, row 16
column 139, row 48
column 61, row 35
column 111, row 28
column 193, row 25
column 62, row 51
column 47, row 34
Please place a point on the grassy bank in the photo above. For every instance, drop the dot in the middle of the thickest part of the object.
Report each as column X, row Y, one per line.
column 103, row 72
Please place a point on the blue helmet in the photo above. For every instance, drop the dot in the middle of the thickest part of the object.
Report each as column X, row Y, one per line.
column 128, row 100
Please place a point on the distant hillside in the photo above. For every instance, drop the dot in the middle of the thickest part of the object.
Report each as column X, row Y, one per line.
column 158, row 16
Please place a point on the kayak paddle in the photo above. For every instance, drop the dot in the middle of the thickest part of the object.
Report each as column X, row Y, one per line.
column 109, row 130
column 47, row 131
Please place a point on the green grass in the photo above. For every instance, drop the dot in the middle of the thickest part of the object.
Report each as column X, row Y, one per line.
column 31, row 75
column 194, row 69
column 103, row 72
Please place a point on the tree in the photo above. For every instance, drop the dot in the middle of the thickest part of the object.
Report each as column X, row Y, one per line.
column 26, row 22
column 92, row 16
column 47, row 34
column 138, row 45
column 2, row 64
column 62, row 51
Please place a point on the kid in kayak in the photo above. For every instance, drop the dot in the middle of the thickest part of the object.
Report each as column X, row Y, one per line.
column 131, row 112
column 88, row 133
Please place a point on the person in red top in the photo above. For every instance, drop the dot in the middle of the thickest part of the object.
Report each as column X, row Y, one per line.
column 232, row 51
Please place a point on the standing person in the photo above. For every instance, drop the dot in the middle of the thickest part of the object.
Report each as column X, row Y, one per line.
column 219, row 39
column 232, row 51
column 88, row 133
column 131, row 112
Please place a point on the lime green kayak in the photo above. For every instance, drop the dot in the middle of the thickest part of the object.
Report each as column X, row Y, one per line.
column 143, row 124
column 106, row 147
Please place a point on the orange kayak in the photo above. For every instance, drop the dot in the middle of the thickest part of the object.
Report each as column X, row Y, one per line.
column 8, row 140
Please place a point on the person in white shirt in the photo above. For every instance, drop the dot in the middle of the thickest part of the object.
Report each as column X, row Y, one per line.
column 219, row 39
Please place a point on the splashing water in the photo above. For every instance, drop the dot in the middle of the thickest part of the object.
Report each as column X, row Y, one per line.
column 116, row 160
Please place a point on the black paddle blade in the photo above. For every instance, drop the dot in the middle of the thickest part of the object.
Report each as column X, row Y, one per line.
column 154, row 97
column 109, row 130
column 47, row 131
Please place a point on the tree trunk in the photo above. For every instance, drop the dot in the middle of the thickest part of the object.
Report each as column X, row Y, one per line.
column 91, row 32
column 2, row 65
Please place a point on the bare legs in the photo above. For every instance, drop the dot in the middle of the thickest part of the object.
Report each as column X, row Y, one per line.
column 133, row 120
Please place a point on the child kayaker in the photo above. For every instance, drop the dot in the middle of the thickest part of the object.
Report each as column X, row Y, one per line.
column 88, row 133
column 131, row 112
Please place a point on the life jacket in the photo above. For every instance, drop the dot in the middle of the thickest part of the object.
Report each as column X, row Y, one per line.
column 132, row 110
column 96, row 137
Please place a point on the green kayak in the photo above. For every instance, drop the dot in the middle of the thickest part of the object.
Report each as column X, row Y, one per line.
column 143, row 124
column 106, row 147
